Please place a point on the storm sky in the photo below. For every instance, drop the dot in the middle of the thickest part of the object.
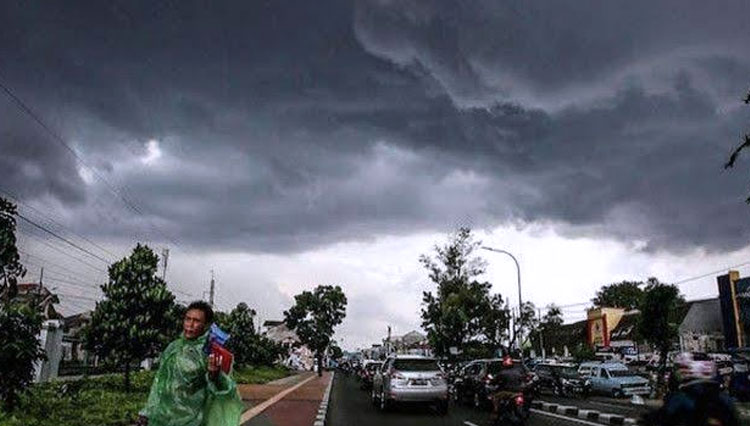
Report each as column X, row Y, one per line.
column 287, row 143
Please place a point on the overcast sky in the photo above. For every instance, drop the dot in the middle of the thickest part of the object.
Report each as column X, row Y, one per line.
column 289, row 144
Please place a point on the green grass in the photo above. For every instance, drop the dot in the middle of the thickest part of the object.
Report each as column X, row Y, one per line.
column 260, row 375
column 98, row 401
column 102, row 401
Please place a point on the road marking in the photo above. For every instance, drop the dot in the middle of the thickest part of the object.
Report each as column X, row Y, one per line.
column 249, row 414
column 572, row 419
column 468, row 423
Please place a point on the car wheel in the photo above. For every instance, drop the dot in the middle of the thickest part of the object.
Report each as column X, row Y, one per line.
column 442, row 407
column 374, row 397
column 477, row 401
column 617, row 393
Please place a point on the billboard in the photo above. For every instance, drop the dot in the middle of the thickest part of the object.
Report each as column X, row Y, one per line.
column 734, row 298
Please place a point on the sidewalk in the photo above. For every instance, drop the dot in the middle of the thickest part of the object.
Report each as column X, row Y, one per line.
column 298, row 408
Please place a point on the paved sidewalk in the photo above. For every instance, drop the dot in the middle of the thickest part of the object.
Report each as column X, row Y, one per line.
column 298, row 408
column 253, row 395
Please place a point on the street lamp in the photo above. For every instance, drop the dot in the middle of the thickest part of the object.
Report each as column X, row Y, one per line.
column 518, row 271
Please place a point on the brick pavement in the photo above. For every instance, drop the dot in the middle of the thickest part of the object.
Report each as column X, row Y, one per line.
column 298, row 408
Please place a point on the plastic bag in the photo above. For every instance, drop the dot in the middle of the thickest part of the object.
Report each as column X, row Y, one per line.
column 182, row 393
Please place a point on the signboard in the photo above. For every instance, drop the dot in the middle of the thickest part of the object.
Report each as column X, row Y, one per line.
column 598, row 332
column 734, row 298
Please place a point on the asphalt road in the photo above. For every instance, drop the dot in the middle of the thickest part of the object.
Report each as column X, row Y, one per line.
column 351, row 406
column 622, row 407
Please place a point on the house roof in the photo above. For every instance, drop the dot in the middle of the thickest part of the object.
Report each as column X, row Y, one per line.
column 703, row 316
column 627, row 327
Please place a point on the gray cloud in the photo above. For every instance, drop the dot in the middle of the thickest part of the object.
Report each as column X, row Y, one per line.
column 286, row 128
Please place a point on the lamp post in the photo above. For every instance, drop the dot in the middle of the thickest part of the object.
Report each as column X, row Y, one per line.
column 518, row 274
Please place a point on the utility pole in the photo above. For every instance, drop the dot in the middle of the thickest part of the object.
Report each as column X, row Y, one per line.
column 211, row 292
column 164, row 260
column 541, row 338
column 41, row 280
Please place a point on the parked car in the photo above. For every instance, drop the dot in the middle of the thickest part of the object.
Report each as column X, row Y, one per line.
column 410, row 378
column 562, row 379
column 367, row 373
column 614, row 379
column 476, row 382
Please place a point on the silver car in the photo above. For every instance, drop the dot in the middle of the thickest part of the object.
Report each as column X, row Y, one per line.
column 410, row 378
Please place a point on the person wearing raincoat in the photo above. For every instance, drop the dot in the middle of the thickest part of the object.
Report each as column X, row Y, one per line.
column 189, row 388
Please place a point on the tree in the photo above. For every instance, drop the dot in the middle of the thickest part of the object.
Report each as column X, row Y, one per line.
column 314, row 316
column 625, row 294
column 461, row 313
column 247, row 346
column 136, row 317
column 547, row 325
column 736, row 152
column 553, row 317
column 660, row 318
column 20, row 323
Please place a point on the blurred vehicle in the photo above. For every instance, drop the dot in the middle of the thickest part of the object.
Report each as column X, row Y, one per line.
column 367, row 373
column 510, row 410
column 562, row 379
column 410, row 378
column 479, row 380
column 739, row 382
column 614, row 379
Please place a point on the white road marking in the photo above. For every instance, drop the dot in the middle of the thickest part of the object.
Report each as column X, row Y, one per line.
column 468, row 423
column 572, row 419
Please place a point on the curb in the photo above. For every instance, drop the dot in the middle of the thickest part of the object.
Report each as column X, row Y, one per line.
column 590, row 415
column 320, row 418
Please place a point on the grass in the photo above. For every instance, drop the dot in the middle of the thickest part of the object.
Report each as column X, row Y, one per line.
column 102, row 401
column 260, row 375
column 89, row 401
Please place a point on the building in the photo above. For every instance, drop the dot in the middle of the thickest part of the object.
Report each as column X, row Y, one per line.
column 299, row 356
column 46, row 300
column 413, row 343
column 72, row 342
column 701, row 330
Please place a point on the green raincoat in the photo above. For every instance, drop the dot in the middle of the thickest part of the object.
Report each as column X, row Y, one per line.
column 183, row 395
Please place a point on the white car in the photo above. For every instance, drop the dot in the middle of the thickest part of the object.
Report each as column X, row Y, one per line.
column 410, row 378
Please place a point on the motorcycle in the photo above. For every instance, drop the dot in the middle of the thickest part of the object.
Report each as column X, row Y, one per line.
column 510, row 410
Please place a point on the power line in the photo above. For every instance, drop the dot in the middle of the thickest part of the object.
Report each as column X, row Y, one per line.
column 51, row 220
column 64, row 253
column 48, row 263
column 54, row 234
column 59, row 139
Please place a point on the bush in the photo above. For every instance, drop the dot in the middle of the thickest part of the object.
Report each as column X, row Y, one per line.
column 100, row 401
column 259, row 375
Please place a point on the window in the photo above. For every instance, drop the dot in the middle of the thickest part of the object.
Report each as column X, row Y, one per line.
column 416, row 365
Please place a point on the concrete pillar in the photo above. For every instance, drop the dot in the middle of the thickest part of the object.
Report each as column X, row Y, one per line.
column 50, row 338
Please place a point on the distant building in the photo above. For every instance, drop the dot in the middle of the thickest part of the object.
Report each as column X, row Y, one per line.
column 734, row 299
column 299, row 356
column 72, row 341
column 701, row 330
column 44, row 297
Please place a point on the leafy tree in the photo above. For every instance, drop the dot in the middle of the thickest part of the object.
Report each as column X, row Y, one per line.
column 553, row 317
column 334, row 351
column 625, row 294
column 136, row 317
column 660, row 318
column 314, row 316
column 248, row 346
column 551, row 321
column 736, row 152
column 20, row 323
column 461, row 313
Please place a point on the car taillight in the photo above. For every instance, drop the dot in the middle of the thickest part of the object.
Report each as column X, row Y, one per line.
column 519, row 400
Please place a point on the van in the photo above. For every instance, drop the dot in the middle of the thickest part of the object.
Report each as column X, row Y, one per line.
column 614, row 379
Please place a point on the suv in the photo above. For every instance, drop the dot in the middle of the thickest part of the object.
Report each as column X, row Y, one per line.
column 410, row 378
column 614, row 379
column 476, row 382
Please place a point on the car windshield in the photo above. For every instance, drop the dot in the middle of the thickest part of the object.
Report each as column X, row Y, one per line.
column 621, row 373
column 495, row 367
column 416, row 365
column 569, row 372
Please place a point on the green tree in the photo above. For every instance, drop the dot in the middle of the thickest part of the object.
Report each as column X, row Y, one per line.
column 240, row 324
column 625, row 294
column 461, row 313
column 736, row 152
column 548, row 324
column 136, row 317
column 660, row 318
column 20, row 323
column 314, row 316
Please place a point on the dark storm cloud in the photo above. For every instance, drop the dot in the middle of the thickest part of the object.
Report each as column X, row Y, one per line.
column 287, row 126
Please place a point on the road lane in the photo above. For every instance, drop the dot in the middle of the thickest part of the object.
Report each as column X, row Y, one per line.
column 351, row 406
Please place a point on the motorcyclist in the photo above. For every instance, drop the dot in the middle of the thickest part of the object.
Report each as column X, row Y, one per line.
column 510, row 382
column 695, row 399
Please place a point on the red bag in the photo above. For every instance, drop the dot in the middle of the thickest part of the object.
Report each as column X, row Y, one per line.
column 227, row 358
